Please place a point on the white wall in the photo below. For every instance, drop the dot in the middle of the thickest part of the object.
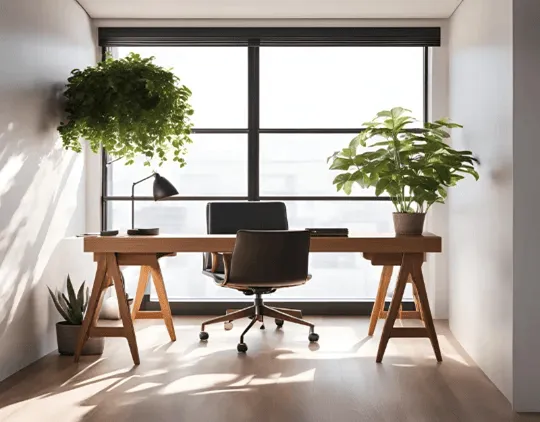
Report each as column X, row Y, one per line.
column 480, row 213
column 526, row 150
column 436, row 267
column 42, row 187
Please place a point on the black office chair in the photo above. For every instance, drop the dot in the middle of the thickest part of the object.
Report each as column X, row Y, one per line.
column 261, row 262
column 229, row 217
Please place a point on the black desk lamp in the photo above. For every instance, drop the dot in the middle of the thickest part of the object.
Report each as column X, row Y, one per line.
column 162, row 189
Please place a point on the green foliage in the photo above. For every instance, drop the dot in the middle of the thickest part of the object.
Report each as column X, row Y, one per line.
column 415, row 167
column 72, row 307
column 129, row 106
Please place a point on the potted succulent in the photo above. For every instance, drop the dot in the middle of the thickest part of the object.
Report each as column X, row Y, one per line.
column 130, row 107
column 72, row 309
column 413, row 166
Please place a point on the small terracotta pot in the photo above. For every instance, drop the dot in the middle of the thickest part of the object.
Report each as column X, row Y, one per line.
column 67, row 336
column 409, row 223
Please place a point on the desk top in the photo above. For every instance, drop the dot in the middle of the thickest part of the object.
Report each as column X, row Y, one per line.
column 370, row 243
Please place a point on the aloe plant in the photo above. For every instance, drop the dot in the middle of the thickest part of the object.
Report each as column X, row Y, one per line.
column 72, row 307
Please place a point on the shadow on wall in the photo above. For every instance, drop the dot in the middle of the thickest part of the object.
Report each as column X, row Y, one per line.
column 41, row 202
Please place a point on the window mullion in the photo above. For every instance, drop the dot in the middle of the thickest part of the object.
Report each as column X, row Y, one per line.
column 253, row 120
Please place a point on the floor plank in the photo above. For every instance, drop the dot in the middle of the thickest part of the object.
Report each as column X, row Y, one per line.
column 282, row 378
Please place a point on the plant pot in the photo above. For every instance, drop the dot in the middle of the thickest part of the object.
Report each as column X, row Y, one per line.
column 409, row 223
column 67, row 336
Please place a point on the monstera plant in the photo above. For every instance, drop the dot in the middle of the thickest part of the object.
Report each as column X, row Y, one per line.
column 413, row 166
column 130, row 107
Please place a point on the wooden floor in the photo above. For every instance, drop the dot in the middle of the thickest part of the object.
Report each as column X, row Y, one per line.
column 280, row 379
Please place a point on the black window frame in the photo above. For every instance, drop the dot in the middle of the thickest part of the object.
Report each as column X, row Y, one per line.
column 253, row 131
column 253, row 39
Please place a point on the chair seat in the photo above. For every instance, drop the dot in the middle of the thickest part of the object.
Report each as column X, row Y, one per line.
column 219, row 278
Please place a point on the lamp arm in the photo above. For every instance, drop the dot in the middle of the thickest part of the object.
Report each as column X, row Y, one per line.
column 114, row 160
column 133, row 198
column 139, row 181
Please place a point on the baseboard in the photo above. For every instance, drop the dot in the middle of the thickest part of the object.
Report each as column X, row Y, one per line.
column 341, row 308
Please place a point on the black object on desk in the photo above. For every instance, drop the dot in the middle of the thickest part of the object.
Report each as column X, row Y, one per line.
column 328, row 232
column 109, row 233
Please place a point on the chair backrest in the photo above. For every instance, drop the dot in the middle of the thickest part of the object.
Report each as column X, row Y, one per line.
column 269, row 258
column 229, row 217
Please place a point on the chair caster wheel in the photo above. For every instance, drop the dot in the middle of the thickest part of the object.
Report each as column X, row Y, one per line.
column 203, row 335
column 262, row 327
column 242, row 347
column 313, row 337
column 280, row 322
column 228, row 326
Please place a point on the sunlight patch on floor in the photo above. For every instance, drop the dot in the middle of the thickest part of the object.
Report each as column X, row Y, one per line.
column 306, row 376
column 113, row 375
column 83, row 371
column 316, row 356
column 222, row 391
column 197, row 382
column 60, row 405
column 154, row 373
column 143, row 386
column 269, row 380
column 242, row 382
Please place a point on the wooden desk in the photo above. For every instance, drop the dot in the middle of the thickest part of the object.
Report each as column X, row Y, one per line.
column 112, row 252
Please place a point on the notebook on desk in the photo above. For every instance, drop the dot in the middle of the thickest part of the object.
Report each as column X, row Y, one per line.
column 328, row 232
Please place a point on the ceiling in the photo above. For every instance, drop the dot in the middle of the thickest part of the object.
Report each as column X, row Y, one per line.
column 269, row 9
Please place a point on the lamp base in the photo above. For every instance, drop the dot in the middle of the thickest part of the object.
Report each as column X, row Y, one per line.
column 108, row 233
column 143, row 232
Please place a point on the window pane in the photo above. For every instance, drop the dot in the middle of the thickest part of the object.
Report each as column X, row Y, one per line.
column 339, row 275
column 335, row 275
column 294, row 165
column 182, row 273
column 216, row 165
column 217, row 77
column 337, row 87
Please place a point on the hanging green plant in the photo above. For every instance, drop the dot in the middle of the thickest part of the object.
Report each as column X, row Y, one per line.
column 131, row 107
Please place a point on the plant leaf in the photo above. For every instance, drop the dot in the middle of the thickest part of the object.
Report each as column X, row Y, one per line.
column 381, row 186
column 71, row 293
column 347, row 187
column 57, row 305
column 341, row 164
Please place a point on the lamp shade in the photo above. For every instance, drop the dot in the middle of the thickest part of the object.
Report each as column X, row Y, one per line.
column 163, row 188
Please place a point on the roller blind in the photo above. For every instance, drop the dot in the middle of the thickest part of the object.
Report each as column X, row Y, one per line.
column 374, row 36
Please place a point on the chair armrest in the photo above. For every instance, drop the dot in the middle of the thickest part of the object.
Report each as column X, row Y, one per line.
column 214, row 256
column 215, row 261
column 227, row 264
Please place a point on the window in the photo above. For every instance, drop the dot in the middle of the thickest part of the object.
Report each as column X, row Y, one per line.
column 266, row 118
column 337, row 87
